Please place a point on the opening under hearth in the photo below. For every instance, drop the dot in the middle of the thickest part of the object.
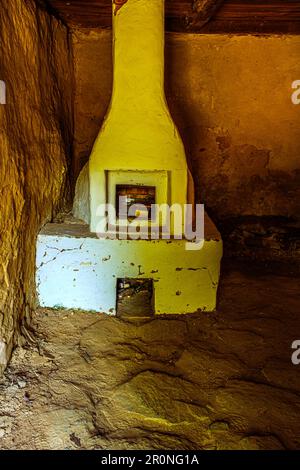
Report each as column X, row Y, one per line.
column 135, row 298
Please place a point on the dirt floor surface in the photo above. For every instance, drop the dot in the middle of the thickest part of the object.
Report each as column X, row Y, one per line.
column 202, row 381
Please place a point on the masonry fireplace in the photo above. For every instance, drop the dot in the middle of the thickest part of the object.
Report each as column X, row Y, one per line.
column 139, row 157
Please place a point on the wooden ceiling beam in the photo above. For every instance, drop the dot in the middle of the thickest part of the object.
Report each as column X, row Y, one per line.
column 198, row 16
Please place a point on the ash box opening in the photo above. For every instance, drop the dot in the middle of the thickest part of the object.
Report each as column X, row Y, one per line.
column 135, row 298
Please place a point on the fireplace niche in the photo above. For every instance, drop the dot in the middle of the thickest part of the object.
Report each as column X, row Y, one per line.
column 137, row 187
column 141, row 197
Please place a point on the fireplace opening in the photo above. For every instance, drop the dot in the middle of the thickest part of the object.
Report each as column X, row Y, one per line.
column 144, row 196
column 135, row 298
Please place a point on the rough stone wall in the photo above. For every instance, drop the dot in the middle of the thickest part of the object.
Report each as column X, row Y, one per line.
column 232, row 103
column 35, row 144
column 93, row 87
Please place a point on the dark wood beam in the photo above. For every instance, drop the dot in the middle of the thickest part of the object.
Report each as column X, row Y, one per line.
column 256, row 16
column 204, row 16
column 204, row 11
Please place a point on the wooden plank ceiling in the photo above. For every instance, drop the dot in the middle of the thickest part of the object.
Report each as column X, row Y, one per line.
column 253, row 16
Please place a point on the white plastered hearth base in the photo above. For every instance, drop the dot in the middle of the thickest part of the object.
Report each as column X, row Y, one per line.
column 77, row 270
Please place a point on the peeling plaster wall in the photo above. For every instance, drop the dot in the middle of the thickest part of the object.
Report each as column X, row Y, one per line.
column 35, row 144
column 231, row 99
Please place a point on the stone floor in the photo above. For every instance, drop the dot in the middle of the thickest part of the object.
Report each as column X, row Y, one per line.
column 204, row 381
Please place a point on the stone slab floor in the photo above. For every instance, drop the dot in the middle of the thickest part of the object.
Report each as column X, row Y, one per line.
column 205, row 381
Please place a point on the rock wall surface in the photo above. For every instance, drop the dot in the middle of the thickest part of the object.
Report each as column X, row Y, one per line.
column 232, row 103
column 35, row 144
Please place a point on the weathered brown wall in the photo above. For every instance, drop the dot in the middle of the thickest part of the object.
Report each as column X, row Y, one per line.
column 231, row 99
column 35, row 141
